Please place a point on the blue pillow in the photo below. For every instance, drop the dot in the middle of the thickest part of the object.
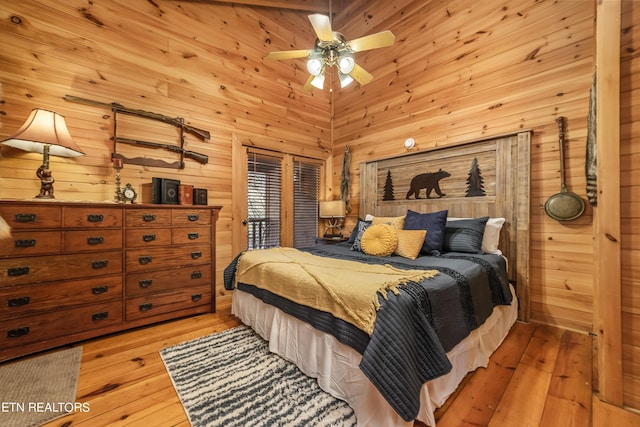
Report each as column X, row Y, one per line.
column 434, row 223
column 464, row 235
column 361, row 228
column 356, row 229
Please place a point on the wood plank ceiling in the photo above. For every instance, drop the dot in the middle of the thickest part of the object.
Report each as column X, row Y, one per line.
column 319, row 6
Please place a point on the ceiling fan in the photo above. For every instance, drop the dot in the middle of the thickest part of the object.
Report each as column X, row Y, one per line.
column 332, row 49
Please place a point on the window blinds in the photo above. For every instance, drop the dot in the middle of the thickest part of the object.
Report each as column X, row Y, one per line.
column 264, row 183
column 305, row 203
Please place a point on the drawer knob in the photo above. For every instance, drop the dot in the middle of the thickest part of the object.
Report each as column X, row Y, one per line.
column 193, row 217
column 99, row 290
column 92, row 241
column 196, row 297
column 25, row 243
column 18, row 271
column 196, row 254
column 20, row 217
column 145, row 307
column 100, row 316
column 193, row 236
column 144, row 260
column 96, row 265
column 95, row 217
column 149, row 237
column 17, row 333
column 196, row 275
column 17, row 302
column 145, row 283
column 148, row 217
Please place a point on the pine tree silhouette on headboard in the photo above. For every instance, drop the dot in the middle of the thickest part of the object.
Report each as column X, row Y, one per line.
column 388, row 188
column 475, row 182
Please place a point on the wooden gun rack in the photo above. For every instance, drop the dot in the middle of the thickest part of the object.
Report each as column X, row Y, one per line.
column 143, row 161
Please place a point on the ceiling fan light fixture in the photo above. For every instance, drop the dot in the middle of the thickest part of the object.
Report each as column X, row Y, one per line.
column 346, row 63
column 315, row 66
column 318, row 81
column 345, row 80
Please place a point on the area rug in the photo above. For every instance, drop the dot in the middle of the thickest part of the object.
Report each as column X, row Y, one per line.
column 39, row 389
column 231, row 379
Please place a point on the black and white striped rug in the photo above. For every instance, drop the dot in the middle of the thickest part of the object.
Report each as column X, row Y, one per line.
column 231, row 379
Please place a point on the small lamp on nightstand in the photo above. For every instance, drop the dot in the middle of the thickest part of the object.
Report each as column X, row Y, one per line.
column 44, row 132
column 334, row 211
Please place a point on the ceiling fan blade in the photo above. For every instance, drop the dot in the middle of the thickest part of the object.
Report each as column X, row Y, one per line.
column 373, row 41
column 307, row 85
column 322, row 27
column 361, row 75
column 288, row 54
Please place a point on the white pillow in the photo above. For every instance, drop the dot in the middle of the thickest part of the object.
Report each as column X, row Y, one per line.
column 491, row 237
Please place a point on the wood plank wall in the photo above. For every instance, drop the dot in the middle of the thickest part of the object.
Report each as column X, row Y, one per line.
column 204, row 62
column 459, row 71
column 630, row 200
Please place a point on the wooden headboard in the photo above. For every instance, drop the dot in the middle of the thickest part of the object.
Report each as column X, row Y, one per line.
column 489, row 177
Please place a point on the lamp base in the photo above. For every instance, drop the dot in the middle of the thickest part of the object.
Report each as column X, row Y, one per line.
column 333, row 229
column 46, row 183
column 332, row 236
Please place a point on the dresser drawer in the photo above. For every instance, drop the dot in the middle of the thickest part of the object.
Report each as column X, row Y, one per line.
column 167, row 257
column 21, row 271
column 148, row 217
column 90, row 217
column 165, row 302
column 191, row 217
column 25, row 216
column 92, row 240
column 162, row 280
column 47, row 326
column 24, row 300
column 146, row 237
column 24, row 243
column 187, row 235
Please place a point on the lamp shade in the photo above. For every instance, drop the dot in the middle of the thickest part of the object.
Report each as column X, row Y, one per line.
column 41, row 128
column 332, row 209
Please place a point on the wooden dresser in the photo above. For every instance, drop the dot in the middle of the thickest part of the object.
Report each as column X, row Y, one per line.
column 73, row 271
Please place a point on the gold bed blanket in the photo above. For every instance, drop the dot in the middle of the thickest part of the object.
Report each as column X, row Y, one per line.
column 347, row 289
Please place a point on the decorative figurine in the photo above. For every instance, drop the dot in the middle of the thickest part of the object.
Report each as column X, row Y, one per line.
column 46, row 182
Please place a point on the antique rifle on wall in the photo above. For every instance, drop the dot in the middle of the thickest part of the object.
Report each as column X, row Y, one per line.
column 177, row 122
column 199, row 157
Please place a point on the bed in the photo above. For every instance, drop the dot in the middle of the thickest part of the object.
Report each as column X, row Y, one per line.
column 438, row 312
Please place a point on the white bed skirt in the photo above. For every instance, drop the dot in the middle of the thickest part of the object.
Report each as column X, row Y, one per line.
column 335, row 365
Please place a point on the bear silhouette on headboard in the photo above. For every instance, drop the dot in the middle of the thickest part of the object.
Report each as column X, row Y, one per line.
column 430, row 181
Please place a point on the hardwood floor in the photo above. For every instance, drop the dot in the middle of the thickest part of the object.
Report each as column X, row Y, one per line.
column 540, row 376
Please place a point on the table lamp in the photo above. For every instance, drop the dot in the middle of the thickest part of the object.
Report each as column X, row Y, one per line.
column 44, row 132
column 333, row 210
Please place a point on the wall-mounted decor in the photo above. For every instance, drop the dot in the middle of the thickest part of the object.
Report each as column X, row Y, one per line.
column 464, row 172
column 177, row 122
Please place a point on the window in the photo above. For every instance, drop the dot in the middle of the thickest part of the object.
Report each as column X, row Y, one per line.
column 306, row 184
column 282, row 200
column 263, row 201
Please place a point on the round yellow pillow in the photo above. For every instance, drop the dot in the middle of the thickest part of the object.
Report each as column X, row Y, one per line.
column 379, row 240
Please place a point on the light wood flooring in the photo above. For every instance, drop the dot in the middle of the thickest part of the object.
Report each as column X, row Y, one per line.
column 540, row 376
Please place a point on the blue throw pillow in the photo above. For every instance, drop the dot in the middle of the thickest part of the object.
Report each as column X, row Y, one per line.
column 356, row 229
column 434, row 223
column 465, row 235
column 361, row 227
